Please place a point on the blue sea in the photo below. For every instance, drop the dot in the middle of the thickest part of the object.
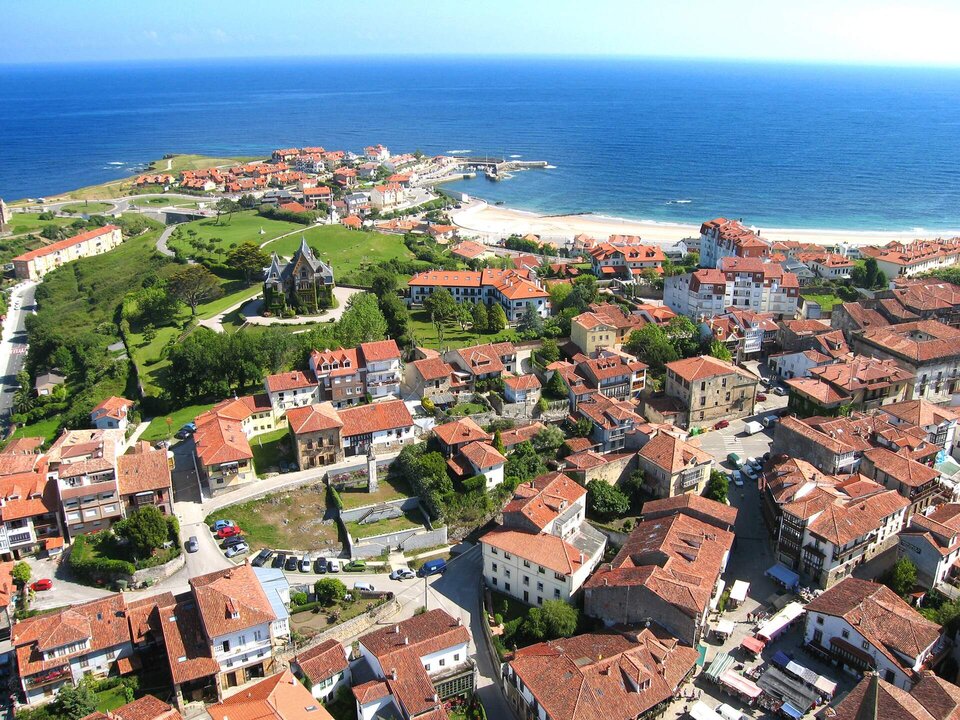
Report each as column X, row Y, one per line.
column 779, row 145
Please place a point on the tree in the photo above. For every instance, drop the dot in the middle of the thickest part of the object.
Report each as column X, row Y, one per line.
column 523, row 463
column 531, row 324
column 21, row 574
column 52, row 232
column 559, row 618
column 248, row 259
column 581, row 427
column 717, row 487
column 606, row 500
column 548, row 440
column 549, row 352
column 463, row 316
column 193, row 285
column 498, row 442
column 557, row 388
column 497, row 319
column 684, row 336
column 228, row 206
column 903, row 577
column 652, row 345
column 146, row 529
column 720, row 351
column 362, row 321
column 480, row 320
column 558, row 295
column 74, row 701
column 329, row 591
column 440, row 305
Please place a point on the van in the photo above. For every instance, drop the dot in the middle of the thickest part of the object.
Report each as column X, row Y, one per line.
column 728, row 712
column 361, row 586
column 432, row 567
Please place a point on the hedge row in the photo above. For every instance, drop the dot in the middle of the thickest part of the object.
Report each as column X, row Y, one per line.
column 335, row 497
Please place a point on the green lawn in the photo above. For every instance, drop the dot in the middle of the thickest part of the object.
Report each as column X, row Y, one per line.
column 31, row 222
column 87, row 208
column 158, row 429
column 150, row 357
column 234, row 291
column 408, row 521
column 270, row 449
column 44, row 428
column 241, row 227
column 387, row 490
column 349, row 251
column 12, row 246
column 467, row 409
column 179, row 163
column 453, row 336
column 111, row 698
column 825, row 301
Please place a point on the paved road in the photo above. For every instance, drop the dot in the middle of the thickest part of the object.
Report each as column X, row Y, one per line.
column 162, row 241
column 13, row 341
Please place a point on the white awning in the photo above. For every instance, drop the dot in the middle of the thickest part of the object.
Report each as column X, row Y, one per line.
column 700, row 711
column 738, row 593
column 724, row 627
column 716, row 595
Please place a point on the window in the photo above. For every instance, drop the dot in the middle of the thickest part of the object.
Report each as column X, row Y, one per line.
column 845, row 633
column 540, row 569
column 257, row 635
column 819, row 620
column 84, row 662
column 540, row 586
column 442, row 662
column 865, row 645
column 526, row 563
column 494, row 581
column 506, row 572
column 506, row 586
column 493, row 551
column 493, row 567
column 426, row 666
column 507, row 556
column 456, row 657
column 556, row 593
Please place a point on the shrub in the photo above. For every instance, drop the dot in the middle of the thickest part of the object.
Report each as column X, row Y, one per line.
column 335, row 497
column 92, row 568
column 329, row 591
column 298, row 598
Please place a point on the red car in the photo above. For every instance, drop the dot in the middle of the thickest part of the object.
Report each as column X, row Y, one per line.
column 42, row 584
column 761, row 397
column 721, row 425
column 226, row 532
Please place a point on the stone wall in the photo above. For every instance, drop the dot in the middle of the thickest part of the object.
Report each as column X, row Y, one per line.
column 407, row 539
column 360, row 624
column 160, row 572
column 404, row 504
column 634, row 605
column 613, row 472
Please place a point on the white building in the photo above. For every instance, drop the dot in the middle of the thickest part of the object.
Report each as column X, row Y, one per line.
column 383, row 371
column 289, row 390
column 326, row 666
column 382, row 427
column 722, row 238
column 899, row 259
column 512, row 289
column 797, row 364
column 867, row 626
column 34, row 264
column 544, row 550
column 111, row 414
column 932, row 542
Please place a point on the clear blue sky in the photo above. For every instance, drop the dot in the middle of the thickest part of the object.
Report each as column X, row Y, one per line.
column 849, row 31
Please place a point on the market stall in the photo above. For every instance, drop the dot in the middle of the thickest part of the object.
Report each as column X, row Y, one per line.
column 778, row 684
column 739, row 686
column 738, row 593
column 723, row 629
column 773, row 627
column 715, row 600
column 784, row 575
column 753, row 645
column 701, row 711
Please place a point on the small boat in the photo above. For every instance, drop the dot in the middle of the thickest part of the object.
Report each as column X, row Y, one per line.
column 499, row 202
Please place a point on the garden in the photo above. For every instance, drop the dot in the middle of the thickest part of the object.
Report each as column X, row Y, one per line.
column 332, row 604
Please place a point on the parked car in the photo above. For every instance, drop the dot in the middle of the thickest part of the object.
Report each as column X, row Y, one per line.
column 279, row 560
column 779, row 391
column 305, row 564
column 355, row 566
column 363, row 586
column 191, row 545
column 735, row 460
column 182, row 434
column 432, row 567
column 291, row 564
column 320, row 565
column 333, row 566
column 42, row 584
column 161, row 445
column 235, row 540
column 261, row 559
column 754, row 463
column 748, row 471
column 237, row 549
column 402, row 574
column 770, row 420
column 721, row 425
column 221, row 524
column 227, row 532
column 737, row 478
column 761, row 397
column 190, row 427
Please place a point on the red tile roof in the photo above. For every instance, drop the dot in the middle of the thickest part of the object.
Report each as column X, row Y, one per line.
column 521, row 382
column 550, row 551
column 143, row 471
column 701, row 367
column 220, row 439
column 672, row 453
column 461, row 431
column 433, row 368
column 113, row 407
column 380, row 351
column 292, row 380
column 322, row 661
column 279, row 697
column 231, row 600
column 544, row 498
column 64, row 244
column 725, row 514
column 313, row 418
column 364, row 419
column 482, row 456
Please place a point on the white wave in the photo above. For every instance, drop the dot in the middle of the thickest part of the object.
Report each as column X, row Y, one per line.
column 516, row 156
column 679, row 202
column 550, row 167
column 459, row 152
column 918, row 230
column 116, row 163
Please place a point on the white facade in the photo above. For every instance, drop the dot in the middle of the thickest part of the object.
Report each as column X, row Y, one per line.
column 433, row 663
column 529, row 582
column 242, row 648
column 96, row 663
column 383, row 378
column 685, row 295
column 283, row 400
column 795, row 365
column 381, row 440
column 820, row 628
column 933, row 567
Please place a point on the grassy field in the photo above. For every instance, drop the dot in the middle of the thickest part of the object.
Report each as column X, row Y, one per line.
column 87, row 208
column 826, row 301
column 270, row 449
column 44, row 428
column 410, row 520
column 242, row 227
column 111, row 698
column 158, row 426
column 179, row 163
column 11, row 247
column 349, row 251
column 150, row 357
column 234, row 291
column 387, row 490
column 31, row 222
column 453, row 336
column 294, row 520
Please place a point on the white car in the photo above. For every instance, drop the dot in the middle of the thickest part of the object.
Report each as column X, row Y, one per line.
column 403, row 574
column 238, row 549
column 737, row 478
column 779, row 391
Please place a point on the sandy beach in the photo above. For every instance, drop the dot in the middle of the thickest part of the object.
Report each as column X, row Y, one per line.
column 478, row 218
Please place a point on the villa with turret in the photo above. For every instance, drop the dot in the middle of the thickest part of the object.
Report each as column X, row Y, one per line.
column 305, row 283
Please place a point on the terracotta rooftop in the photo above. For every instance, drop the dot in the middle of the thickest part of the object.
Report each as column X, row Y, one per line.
column 67, row 243
column 313, row 418
column 231, row 600
column 901, row 469
column 673, row 454
column 702, row 367
column 376, row 417
column 433, row 368
column 322, row 661
column 544, row 498
column 143, row 471
column 113, row 407
column 725, row 514
column 292, row 380
column 279, row 697
column 461, row 431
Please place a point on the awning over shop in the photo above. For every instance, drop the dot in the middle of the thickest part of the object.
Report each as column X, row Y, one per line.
column 784, row 575
column 719, row 665
column 754, row 645
column 780, row 622
column 780, row 658
column 743, row 685
column 738, row 593
column 716, row 595
column 724, row 627
column 700, row 711
column 790, row 710
column 776, row 683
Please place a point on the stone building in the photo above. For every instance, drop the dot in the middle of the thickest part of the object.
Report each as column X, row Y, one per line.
column 305, row 283
column 711, row 389
column 316, row 435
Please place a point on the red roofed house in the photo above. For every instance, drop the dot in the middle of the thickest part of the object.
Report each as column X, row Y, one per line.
column 143, row 477
column 345, row 375
column 479, row 458
column 898, row 259
column 932, row 698
column 381, row 427
column 430, row 378
column 223, row 454
column 666, row 570
column 326, row 666
column 932, row 542
column 672, row 466
column 868, row 627
column 598, row 676
column 384, row 197
column 521, row 388
column 29, row 511
column 145, row 708
column 613, row 420
column 316, row 435
column 34, row 264
column 711, row 389
column 418, row 663
column 544, row 550
column 111, row 413
column 352, row 222
column 290, row 389
column 512, row 289
column 280, row 697
column 722, row 238
column 60, row 648
column 626, row 261
column 469, row 250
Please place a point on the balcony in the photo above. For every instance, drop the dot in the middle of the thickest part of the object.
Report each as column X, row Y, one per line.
column 847, row 553
column 48, row 677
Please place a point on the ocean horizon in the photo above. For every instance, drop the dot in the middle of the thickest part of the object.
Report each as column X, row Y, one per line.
column 780, row 145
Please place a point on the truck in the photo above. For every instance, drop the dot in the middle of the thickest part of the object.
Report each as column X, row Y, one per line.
column 752, row 427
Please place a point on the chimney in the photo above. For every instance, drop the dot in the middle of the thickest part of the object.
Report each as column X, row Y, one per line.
column 459, row 621
column 396, row 629
column 406, row 640
column 393, row 674
column 436, row 698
